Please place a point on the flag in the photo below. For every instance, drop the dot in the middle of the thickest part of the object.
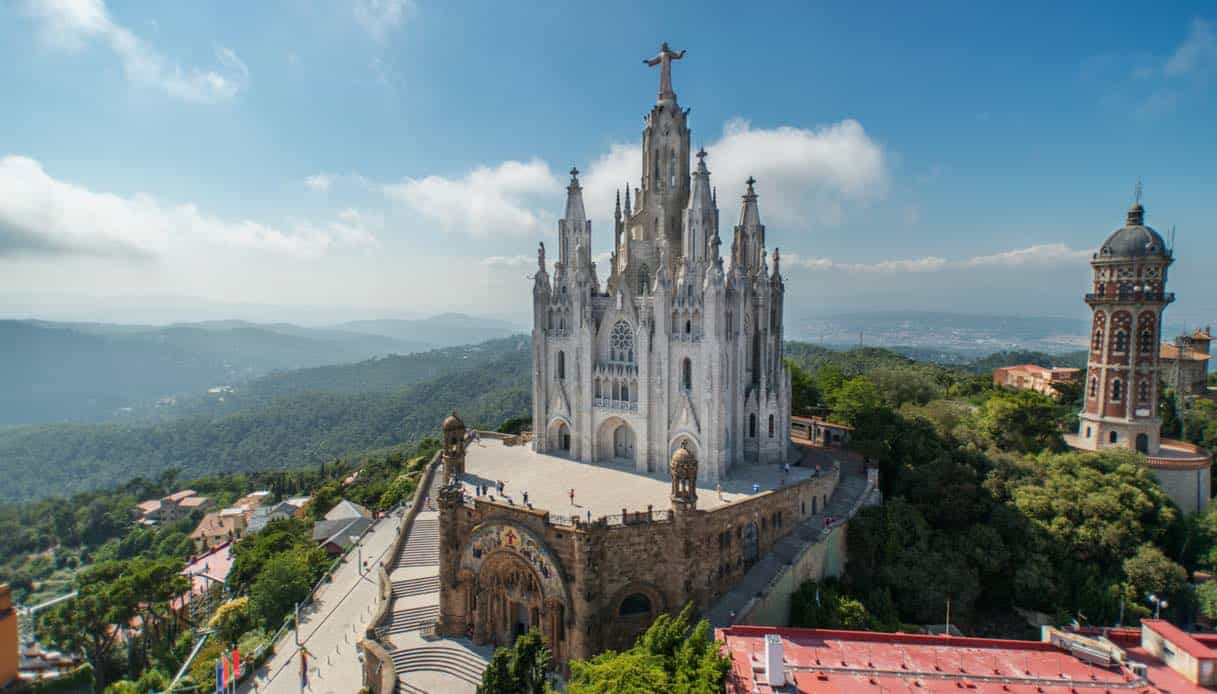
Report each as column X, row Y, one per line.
column 236, row 663
column 303, row 668
column 227, row 674
column 219, row 676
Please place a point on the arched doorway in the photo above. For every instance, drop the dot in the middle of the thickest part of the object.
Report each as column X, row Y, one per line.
column 616, row 442
column 510, row 598
column 1143, row 443
column 559, row 437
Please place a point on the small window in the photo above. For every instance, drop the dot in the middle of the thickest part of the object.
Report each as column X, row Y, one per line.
column 1121, row 341
column 686, row 374
column 752, row 426
column 1113, row 437
column 1087, row 432
column 1143, row 391
column 561, row 364
column 1117, row 390
column 1094, row 386
column 770, row 426
column 688, row 327
column 1098, row 340
column 1147, row 342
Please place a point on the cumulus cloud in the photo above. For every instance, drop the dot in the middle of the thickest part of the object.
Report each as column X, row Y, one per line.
column 1044, row 255
column 72, row 24
column 41, row 215
column 379, row 17
column 512, row 197
column 804, row 175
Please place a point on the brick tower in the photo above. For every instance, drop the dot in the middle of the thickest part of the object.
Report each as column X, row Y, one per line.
column 1129, row 293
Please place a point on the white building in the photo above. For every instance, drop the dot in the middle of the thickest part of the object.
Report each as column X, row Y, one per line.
column 673, row 348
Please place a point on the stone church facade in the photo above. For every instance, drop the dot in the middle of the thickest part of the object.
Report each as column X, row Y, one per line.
column 674, row 349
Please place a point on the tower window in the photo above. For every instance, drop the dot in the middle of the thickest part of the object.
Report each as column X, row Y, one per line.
column 644, row 280
column 688, row 327
column 1143, row 391
column 752, row 426
column 1094, row 386
column 686, row 374
column 621, row 342
column 1098, row 340
column 1121, row 341
column 561, row 365
column 1113, row 437
column 1147, row 341
column 770, row 426
column 1117, row 390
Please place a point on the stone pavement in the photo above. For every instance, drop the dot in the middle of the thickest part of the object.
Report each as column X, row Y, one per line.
column 332, row 626
column 600, row 488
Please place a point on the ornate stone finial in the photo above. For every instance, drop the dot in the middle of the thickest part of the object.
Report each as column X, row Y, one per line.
column 777, row 260
column 617, row 210
column 541, row 256
column 664, row 60
column 751, row 181
column 574, row 177
column 627, row 198
column 701, row 160
column 1137, row 193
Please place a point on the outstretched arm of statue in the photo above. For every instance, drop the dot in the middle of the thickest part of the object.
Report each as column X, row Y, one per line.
column 653, row 61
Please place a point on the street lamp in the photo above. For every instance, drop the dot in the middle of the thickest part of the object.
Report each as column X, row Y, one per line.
column 1158, row 604
column 359, row 553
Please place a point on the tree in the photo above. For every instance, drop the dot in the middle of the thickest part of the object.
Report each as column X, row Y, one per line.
column 525, row 667
column 232, row 619
column 1023, row 421
column 823, row 605
column 671, row 656
column 84, row 624
column 283, row 582
column 1206, row 595
column 803, row 392
column 1150, row 571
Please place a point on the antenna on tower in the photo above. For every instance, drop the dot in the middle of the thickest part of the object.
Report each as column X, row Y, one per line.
column 1172, row 240
column 1137, row 193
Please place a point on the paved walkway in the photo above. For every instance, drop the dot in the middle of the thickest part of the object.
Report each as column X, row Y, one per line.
column 426, row 663
column 600, row 488
column 332, row 626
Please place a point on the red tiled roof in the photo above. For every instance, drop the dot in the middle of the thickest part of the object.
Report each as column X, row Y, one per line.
column 193, row 501
column 823, row 660
column 216, row 564
column 1180, row 639
column 177, row 497
column 1170, row 351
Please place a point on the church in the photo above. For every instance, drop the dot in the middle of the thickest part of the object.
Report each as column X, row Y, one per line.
column 673, row 350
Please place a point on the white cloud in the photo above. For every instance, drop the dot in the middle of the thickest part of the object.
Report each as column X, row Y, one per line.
column 73, row 24
column 509, row 262
column 512, row 197
column 803, row 175
column 320, row 182
column 379, row 17
column 1197, row 55
column 41, row 215
column 1043, row 256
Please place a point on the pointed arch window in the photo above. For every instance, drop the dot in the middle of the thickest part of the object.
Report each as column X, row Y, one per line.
column 1121, row 344
column 1143, row 391
column 644, row 280
column 1147, row 341
column 561, row 364
column 686, row 374
column 672, row 168
column 1097, row 344
column 752, row 426
column 770, row 426
column 1117, row 390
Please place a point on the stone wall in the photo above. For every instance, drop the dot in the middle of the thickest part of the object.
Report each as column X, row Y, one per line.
column 618, row 573
column 818, row 561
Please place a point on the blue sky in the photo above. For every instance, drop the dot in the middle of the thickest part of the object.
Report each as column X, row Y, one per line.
column 313, row 160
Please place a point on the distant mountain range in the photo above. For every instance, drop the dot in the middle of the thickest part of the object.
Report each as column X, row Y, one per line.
column 98, row 371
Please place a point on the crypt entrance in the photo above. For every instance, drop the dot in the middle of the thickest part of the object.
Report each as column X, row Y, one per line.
column 615, row 442
column 508, row 583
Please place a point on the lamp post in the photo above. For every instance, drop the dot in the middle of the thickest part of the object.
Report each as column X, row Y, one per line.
column 1158, row 604
column 358, row 553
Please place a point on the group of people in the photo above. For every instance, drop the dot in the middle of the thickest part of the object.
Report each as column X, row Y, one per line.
column 499, row 485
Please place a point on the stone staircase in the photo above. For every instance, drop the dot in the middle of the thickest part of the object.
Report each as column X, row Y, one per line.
column 411, row 618
column 444, row 657
column 422, row 547
column 415, row 586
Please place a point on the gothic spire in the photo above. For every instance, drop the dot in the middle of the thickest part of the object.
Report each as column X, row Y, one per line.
column 749, row 215
column 699, row 195
column 575, row 216
column 627, row 198
column 617, row 210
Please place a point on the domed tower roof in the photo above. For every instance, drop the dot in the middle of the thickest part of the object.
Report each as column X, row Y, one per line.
column 453, row 422
column 1134, row 239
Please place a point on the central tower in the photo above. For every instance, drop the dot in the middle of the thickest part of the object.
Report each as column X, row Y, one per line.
column 676, row 351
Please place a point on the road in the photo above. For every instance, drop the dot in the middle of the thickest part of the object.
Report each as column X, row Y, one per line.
column 332, row 626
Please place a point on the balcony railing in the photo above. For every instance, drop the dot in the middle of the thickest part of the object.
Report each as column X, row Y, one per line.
column 1112, row 297
column 610, row 404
